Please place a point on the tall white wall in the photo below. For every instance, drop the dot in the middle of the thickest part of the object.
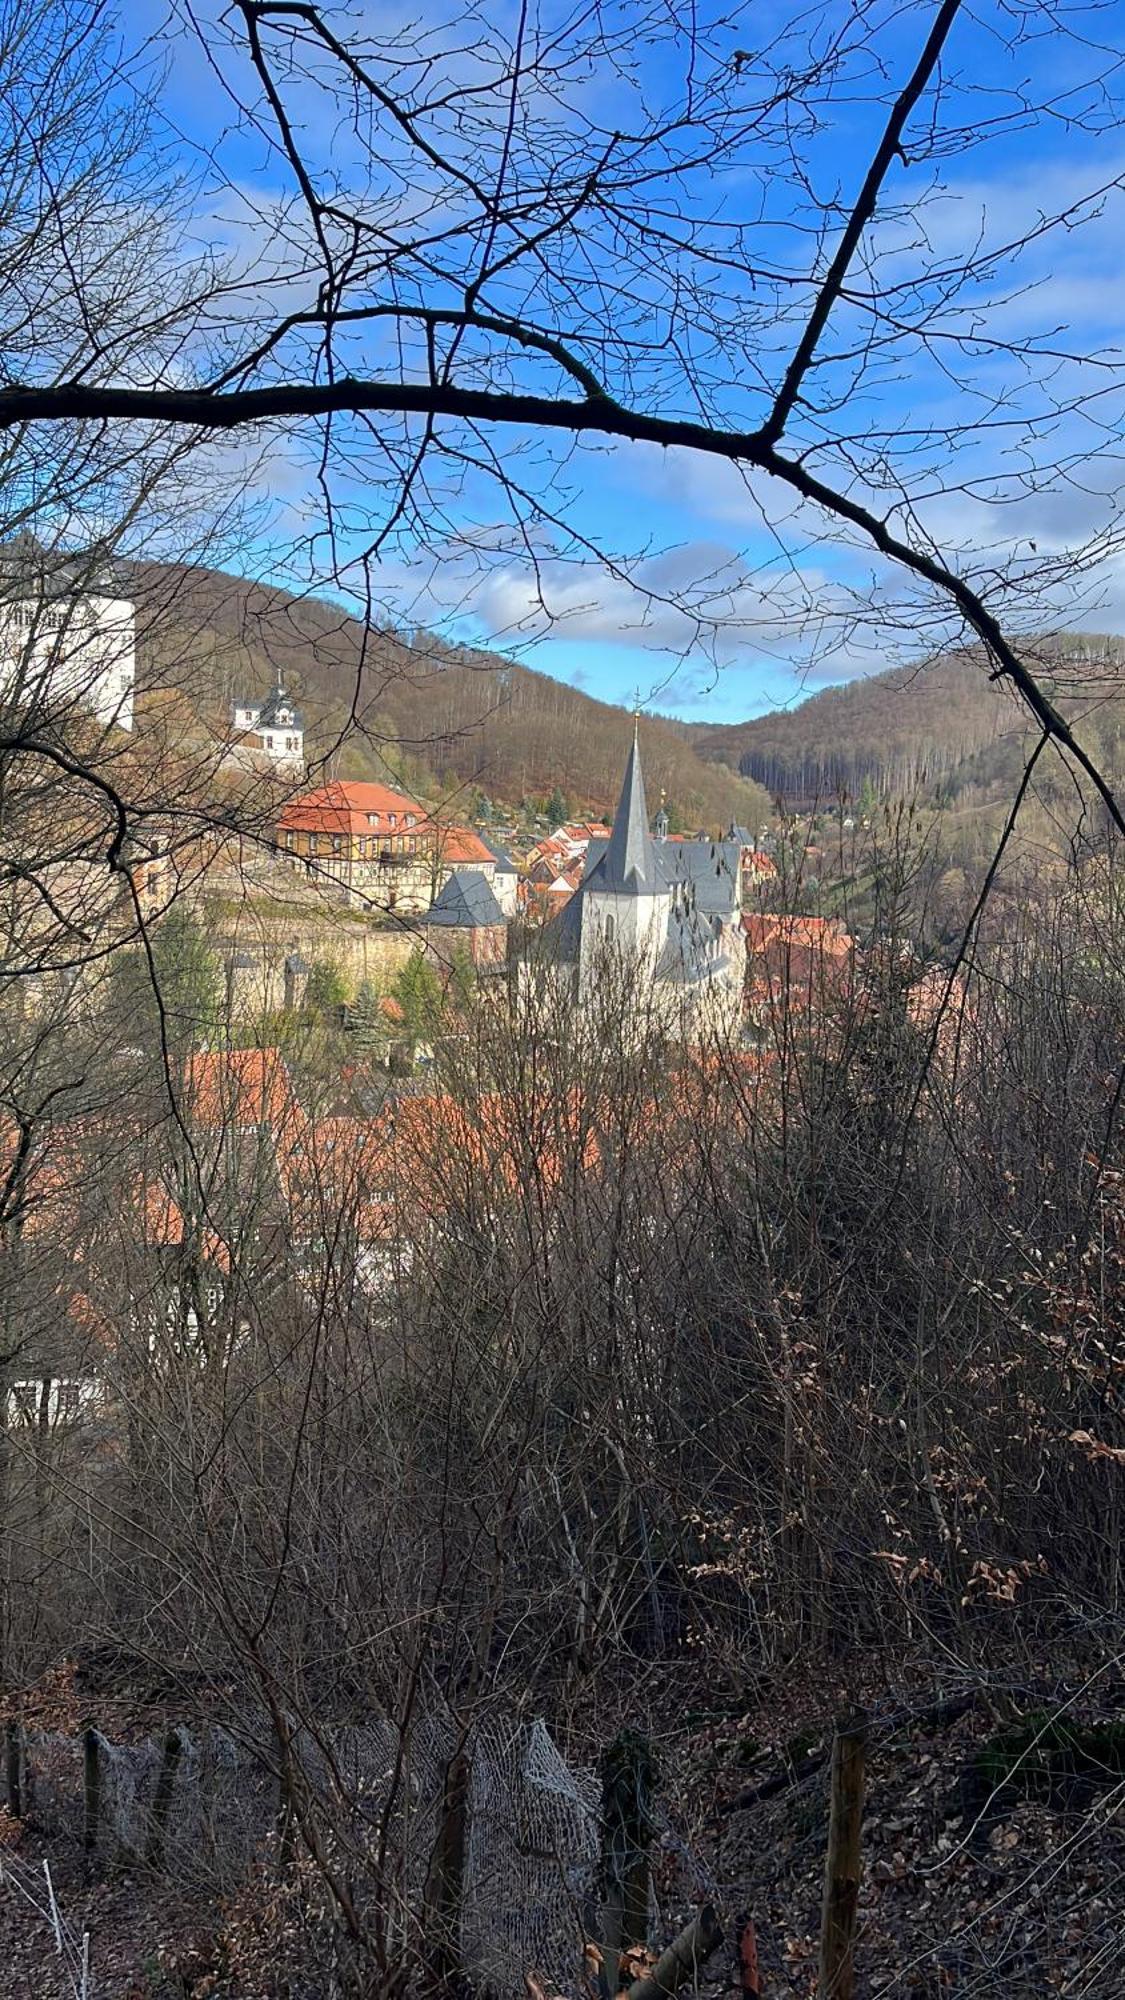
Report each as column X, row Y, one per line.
column 630, row 929
column 71, row 650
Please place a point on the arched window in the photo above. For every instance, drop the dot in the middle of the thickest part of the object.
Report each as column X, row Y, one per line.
column 610, row 929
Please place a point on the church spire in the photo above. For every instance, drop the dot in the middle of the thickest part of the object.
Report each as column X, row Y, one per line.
column 629, row 865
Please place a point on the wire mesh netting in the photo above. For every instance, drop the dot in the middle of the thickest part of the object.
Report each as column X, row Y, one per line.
column 201, row 1802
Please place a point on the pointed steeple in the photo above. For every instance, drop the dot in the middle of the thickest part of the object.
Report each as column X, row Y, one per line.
column 628, row 866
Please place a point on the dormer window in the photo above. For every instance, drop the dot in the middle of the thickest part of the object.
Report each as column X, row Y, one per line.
column 372, row 819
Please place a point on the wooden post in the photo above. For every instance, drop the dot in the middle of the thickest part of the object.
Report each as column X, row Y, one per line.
column 842, row 1863
column 628, row 1784
column 91, row 1792
column 682, row 1959
column 12, row 1767
column 446, row 1881
column 162, row 1799
column 749, row 1977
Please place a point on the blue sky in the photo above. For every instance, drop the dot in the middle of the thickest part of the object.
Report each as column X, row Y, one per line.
column 1022, row 365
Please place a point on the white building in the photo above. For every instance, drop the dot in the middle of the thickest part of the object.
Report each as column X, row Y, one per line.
column 67, row 633
column 666, row 913
column 272, row 726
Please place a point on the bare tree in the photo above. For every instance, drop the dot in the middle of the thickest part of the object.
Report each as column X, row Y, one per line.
column 496, row 246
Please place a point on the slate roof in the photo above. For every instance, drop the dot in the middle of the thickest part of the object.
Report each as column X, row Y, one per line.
column 466, row 902
column 690, row 954
column 627, row 866
column 49, row 573
column 705, row 872
column 267, row 714
column 499, row 854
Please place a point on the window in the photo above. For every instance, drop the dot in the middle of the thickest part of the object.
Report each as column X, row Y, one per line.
column 361, row 848
column 68, row 1396
column 290, row 841
column 392, row 819
column 372, row 819
column 610, row 927
column 410, row 819
column 313, row 849
column 337, row 843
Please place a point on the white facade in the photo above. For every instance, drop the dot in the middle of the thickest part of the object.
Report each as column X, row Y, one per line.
column 627, row 929
column 656, row 923
column 60, row 649
column 271, row 726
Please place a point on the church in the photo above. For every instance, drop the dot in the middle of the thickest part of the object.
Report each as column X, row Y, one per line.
column 661, row 912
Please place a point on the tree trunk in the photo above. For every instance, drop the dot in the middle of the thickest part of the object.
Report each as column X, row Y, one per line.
column 842, row 1863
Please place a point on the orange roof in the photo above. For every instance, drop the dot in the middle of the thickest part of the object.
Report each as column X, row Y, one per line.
column 824, row 934
column 238, row 1087
column 346, row 807
column 460, row 847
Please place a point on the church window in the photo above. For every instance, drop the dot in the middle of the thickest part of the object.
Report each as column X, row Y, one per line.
column 610, row 929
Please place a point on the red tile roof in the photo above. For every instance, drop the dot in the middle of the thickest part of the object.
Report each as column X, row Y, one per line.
column 460, row 847
column 345, row 807
column 238, row 1087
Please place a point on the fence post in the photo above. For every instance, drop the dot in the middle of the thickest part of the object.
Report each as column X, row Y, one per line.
column 842, row 1862
column 749, row 1976
column 682, row 1959
column 162, row 1799
column 53, row 1905
column 12, row 1766
column 91, row 1792
column 628, row 1785
column 445, row 1886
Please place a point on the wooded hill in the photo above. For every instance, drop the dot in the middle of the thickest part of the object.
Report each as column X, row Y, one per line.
column 407, row 708
column 945, row 731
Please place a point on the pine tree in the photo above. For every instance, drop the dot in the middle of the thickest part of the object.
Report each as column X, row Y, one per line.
column 417, row 989
column 366, row 1022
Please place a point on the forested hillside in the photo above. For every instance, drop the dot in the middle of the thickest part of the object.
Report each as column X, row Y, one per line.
column 942, row 729
column 379, row 702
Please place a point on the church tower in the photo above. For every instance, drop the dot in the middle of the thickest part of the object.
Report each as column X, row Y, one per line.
column 625, row 899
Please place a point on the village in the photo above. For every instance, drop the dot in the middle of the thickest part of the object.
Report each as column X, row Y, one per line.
column 334, row 948
column 562, row 982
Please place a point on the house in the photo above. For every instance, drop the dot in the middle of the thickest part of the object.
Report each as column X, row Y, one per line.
column 379, row 847
column 466, row 916
column 67, row 633
column 271, row 726
column 369, row 840
column 796, row 966
column 505, row 876
column 662, row 913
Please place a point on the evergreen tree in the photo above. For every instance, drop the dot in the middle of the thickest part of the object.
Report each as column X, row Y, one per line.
column 183, row 983
column 462, row 980
column 325, row 990
column 366, row 1022
column 417, row 988
column 557, row 809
